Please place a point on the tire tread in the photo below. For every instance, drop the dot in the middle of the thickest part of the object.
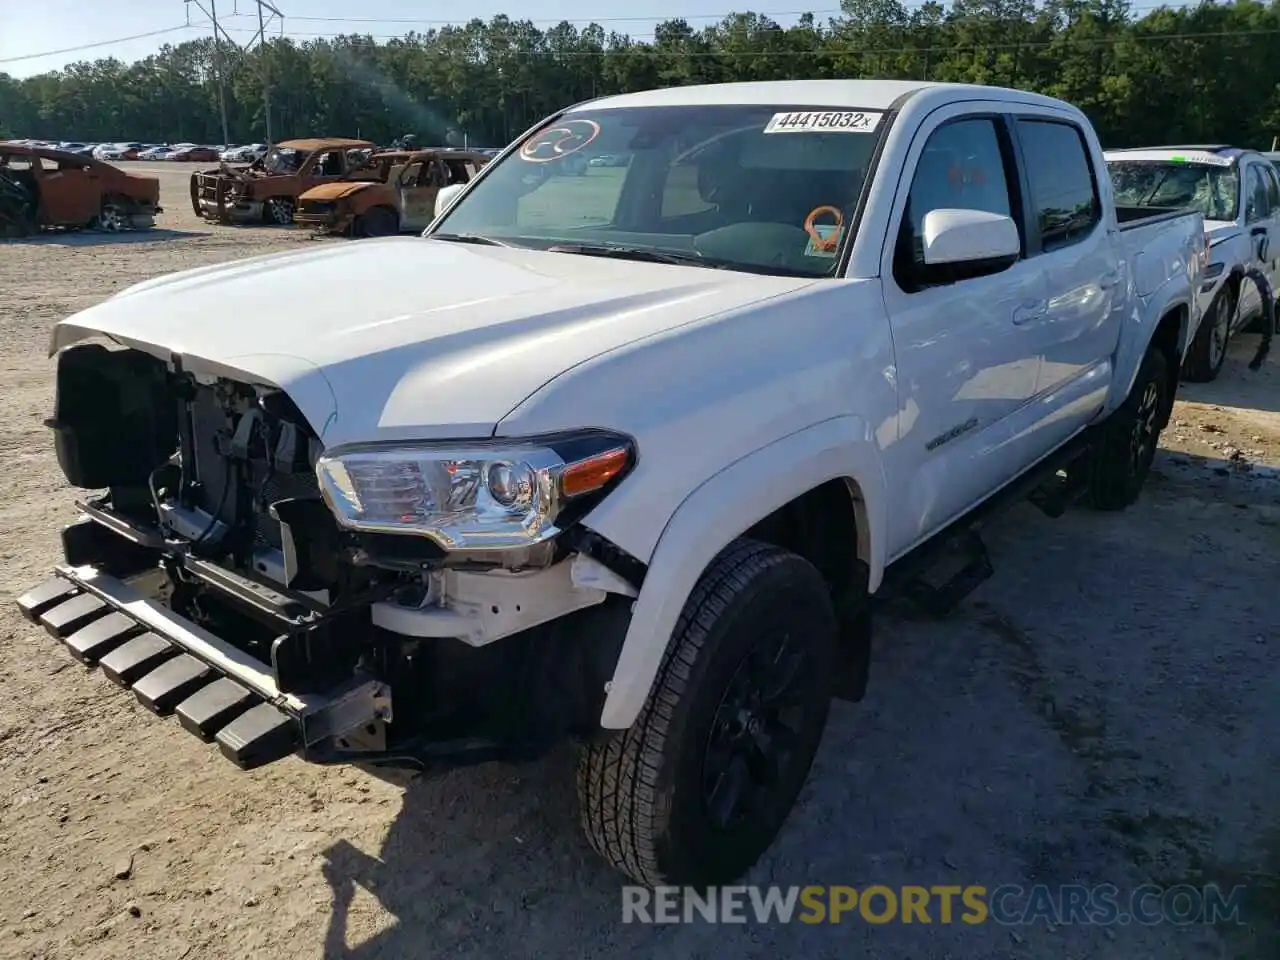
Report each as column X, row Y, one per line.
column 617, row 779
column 1197, row 368
column 1110, row 485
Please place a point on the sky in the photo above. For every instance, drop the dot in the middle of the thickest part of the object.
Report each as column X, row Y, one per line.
column 50, row 26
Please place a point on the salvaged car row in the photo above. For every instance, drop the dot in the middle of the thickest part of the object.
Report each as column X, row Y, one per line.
column 344, row 187
column 335, row 185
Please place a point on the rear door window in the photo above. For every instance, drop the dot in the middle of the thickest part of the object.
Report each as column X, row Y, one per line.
column 1273, row 186
column 414, row 175
column 1257, row 206
column 331, row 163
column 1065, row 204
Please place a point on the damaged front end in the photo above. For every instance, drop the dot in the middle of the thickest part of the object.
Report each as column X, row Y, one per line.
column 343, row 604
column 323, row 216
column 225, row 195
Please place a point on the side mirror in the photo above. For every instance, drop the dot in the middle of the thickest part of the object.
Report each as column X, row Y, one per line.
column 974, row 241
column 447, row 195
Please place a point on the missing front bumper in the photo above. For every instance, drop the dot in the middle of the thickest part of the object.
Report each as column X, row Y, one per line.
column 218, row 692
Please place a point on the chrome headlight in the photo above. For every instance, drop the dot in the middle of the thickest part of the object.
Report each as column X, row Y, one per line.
column 486, row 495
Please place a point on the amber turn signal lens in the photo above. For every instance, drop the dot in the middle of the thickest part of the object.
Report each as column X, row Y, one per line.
column 593, row 473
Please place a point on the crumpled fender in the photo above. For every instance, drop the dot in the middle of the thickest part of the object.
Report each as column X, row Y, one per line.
column 1155, row 289
column 720, row 509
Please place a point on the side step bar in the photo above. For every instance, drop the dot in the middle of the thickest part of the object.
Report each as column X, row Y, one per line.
column 218, row 692
column 938, row 575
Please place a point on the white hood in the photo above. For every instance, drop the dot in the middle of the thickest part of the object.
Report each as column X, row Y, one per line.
column 405, row 338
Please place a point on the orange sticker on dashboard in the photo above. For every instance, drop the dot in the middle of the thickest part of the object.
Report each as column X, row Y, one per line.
column 824, row 237
column 557, row 142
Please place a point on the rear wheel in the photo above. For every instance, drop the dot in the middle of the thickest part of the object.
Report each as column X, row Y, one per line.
column 699, row 786
column 1126, row 444
column 278, row 210
column 377, row 222
column 1209, row 349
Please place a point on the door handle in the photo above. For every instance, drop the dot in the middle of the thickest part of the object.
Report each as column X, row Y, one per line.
column 1109, row 280
column 1029, row 310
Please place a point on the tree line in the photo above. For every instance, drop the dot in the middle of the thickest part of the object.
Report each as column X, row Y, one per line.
column 1204, row 73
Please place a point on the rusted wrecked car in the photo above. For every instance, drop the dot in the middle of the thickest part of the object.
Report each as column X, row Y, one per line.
column 40, row 187
column 400, row 198
column 267, row 190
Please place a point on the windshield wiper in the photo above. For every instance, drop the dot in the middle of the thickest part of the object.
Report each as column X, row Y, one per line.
column 635, row 253
column 468, row 238
column 1154, row 190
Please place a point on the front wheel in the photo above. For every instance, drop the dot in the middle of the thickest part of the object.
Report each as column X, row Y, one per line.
column 1126, row 444
column 278, row 210
column 1209, row 349
column 699, row 786
column 112, row 217
column 377, row 222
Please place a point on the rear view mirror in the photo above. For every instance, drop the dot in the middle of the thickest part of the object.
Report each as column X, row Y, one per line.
column 973, row 240
column 447, row 195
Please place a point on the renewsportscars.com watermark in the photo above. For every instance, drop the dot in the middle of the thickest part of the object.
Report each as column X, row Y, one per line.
column 1009, row 904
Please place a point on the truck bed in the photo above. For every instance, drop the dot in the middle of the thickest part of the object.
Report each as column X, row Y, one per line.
column 1132, row 217
column 1159, row 243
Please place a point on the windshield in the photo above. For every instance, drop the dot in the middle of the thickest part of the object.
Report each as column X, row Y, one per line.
column 1146, row 183
column 757, row 188
column 283, row 160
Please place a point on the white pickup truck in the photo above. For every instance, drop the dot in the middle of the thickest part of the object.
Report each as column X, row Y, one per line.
column 1238, row 194
column 620, row 458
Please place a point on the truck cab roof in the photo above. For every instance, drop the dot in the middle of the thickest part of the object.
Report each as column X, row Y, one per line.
column 859, row 94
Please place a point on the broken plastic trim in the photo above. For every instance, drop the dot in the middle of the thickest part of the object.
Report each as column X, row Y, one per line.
column 319, row 716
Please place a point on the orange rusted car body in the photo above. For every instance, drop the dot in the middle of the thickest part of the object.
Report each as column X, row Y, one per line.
column 402, row 199
column 266, row 191
column 70, row 190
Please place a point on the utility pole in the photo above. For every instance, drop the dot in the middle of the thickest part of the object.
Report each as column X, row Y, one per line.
column 220, row 36
column 217, row 73
column 262, row 62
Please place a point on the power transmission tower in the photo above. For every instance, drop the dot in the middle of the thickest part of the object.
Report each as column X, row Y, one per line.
column 220, row 36
column 261, row 37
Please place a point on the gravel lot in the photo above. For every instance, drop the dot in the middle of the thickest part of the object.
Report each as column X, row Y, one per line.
column 1105, row 710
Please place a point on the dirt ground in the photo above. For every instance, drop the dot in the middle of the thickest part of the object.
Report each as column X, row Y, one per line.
column 1105, row 710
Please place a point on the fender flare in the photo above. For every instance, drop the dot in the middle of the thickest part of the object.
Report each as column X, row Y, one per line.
column 1136, row 339
column 720, row 509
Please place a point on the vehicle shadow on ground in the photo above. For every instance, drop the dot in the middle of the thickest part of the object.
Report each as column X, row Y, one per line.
column 297, row 229
column 93, row 239
column 1215, row 478
column 1238, row 386
column 256, row 226
column 471, row 852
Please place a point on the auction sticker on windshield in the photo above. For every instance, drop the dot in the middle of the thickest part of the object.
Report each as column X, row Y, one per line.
column 557, row 142
column 823, row 121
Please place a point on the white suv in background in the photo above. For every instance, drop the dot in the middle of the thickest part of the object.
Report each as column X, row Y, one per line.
column 1238, row 193
column 244, row 154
